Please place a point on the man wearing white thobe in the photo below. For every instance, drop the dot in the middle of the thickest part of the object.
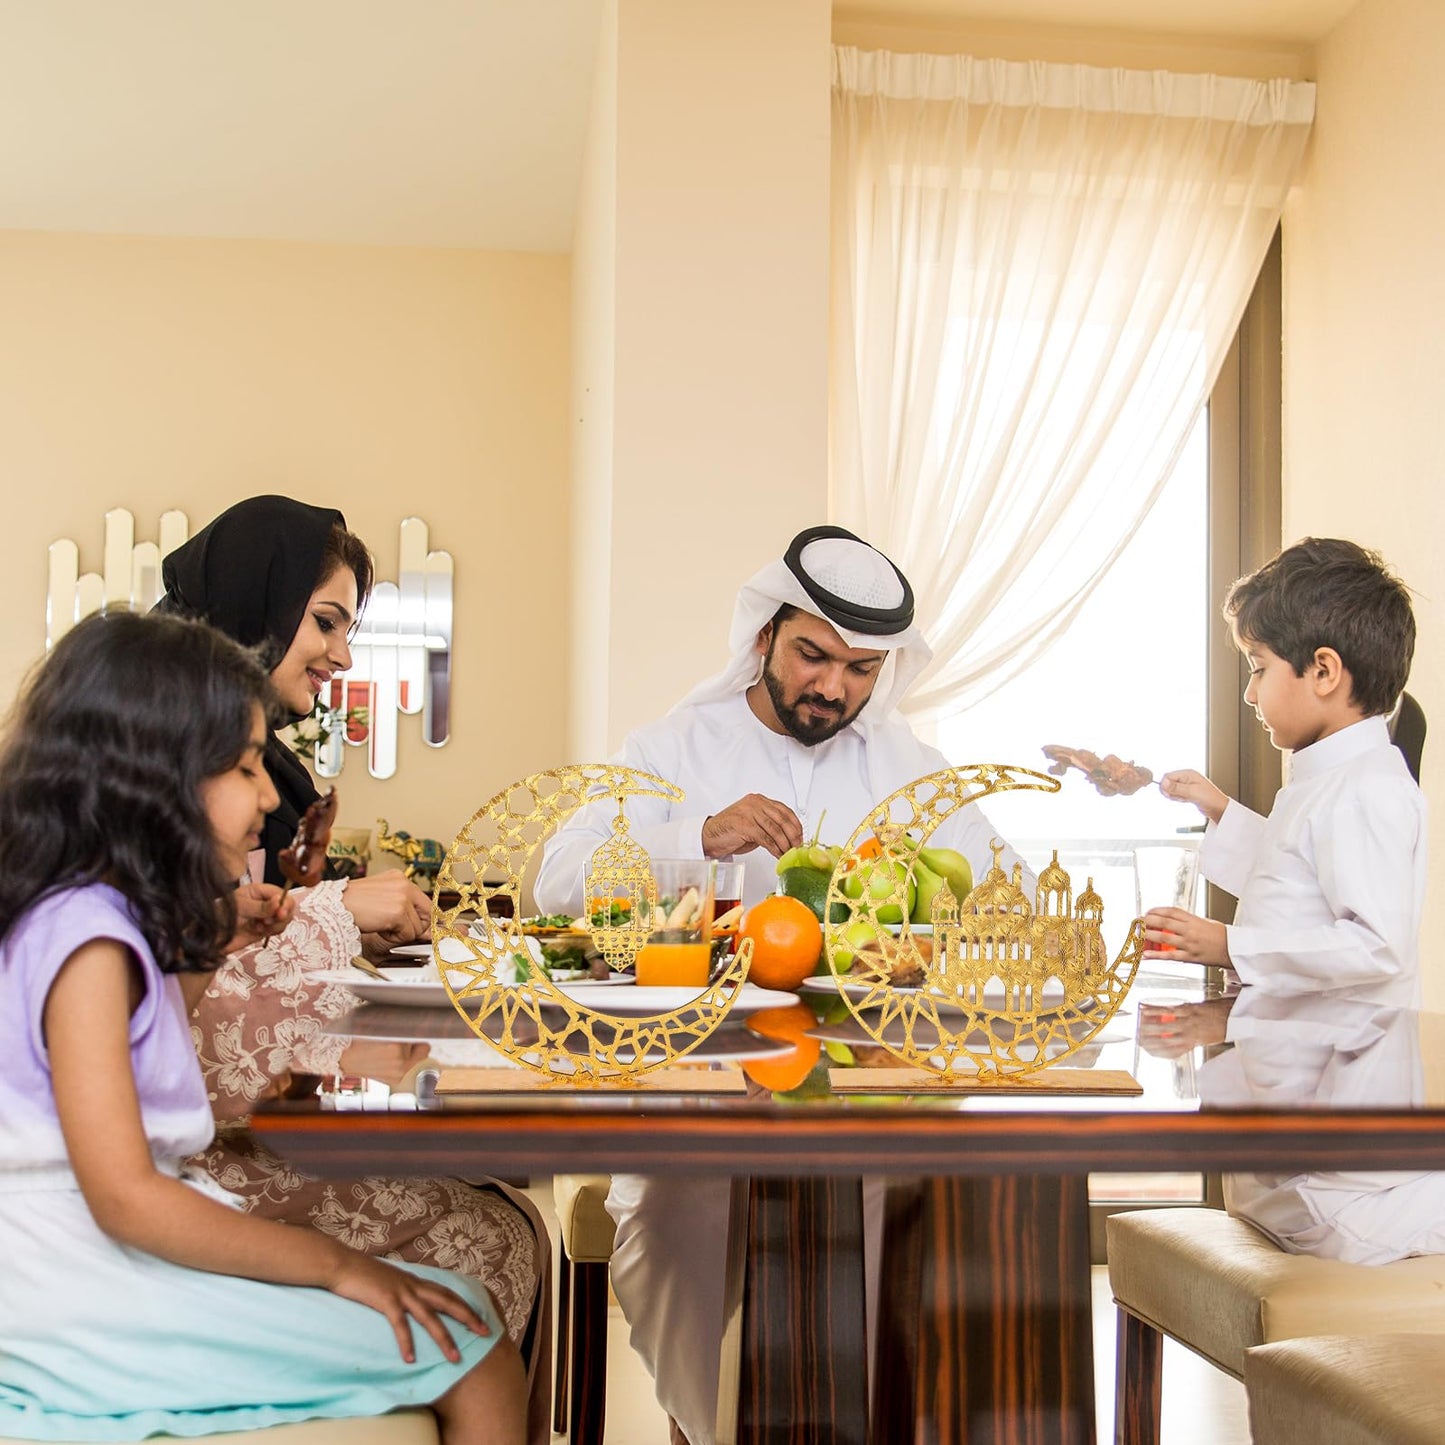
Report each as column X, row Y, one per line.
column 804, row 720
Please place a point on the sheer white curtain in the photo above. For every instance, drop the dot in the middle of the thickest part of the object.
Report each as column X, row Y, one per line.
column 1037, row 272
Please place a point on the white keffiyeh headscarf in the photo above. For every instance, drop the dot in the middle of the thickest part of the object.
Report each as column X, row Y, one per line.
column 847, row 582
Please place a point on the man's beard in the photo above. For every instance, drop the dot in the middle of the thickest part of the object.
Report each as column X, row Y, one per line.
column 808, row 731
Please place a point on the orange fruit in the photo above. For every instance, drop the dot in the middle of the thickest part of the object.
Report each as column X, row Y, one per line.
column 787, row 941
column 869, row 848
column 781, row 1072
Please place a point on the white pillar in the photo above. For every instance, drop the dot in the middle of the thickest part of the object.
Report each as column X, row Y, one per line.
column 700, row 308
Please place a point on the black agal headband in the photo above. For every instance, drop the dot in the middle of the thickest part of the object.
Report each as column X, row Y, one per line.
column 855, row 616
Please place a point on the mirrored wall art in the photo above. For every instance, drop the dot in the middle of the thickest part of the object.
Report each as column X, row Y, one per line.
column 401, row 653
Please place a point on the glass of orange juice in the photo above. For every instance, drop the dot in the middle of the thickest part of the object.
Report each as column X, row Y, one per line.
column 678, row 952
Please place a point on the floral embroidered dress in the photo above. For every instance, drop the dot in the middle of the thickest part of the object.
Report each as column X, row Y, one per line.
column 261, row 1022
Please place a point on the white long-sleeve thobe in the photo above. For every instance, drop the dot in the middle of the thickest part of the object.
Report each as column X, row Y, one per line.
column 1332, row 884
column 1328, row 1051
column 718, row 752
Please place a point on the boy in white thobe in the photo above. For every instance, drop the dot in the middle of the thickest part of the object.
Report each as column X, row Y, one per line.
column 1331, row 885
column 803, row 720
column 1328, row 1051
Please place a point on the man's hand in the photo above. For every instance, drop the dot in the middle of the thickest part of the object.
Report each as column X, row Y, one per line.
column 1187, row 786
column 752, row 822
column 389, row 910
column 261, row 913
column 1184, row 937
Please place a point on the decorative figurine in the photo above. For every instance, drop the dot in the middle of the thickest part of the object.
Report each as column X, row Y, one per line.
column 424, row 856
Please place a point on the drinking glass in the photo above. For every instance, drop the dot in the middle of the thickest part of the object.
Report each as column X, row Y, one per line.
column 678, row 954
column 728, row 896
column 1166, row 875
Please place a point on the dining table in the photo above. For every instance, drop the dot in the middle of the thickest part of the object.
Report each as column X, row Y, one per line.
column 982, row 1311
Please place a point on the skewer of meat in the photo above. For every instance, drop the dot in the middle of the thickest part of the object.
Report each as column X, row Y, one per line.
column 304, row 861
column 1111, row 775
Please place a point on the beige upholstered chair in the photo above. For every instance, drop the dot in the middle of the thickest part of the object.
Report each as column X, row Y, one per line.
column 402, row 1427
column 1345, row 1390
column 1220, row 1287
column 587, row 1232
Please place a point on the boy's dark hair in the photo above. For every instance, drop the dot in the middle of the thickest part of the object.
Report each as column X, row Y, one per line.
column 101, row 771
column 1325, row 592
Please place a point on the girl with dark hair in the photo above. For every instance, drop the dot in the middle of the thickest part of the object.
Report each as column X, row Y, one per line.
column 135, row 1301
column 290, row 580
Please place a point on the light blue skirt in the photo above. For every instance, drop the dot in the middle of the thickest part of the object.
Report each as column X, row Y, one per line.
column 101, row 1342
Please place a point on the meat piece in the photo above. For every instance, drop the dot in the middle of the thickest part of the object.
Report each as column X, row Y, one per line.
column 903, row 967
column 304, row 861
column 1111, row 775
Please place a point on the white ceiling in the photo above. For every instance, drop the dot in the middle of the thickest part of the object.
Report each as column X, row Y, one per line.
column 426, row 122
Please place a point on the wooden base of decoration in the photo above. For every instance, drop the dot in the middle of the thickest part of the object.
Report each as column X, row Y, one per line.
column 925, row 1081
column 679, row 1079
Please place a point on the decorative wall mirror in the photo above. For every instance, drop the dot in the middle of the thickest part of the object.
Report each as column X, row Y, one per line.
column 401, row 653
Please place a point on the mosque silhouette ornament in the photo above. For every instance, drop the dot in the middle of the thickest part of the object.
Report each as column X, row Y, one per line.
column 995, row 934
column 996, row 987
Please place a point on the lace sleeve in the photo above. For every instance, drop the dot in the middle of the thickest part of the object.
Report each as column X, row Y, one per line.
column 262, row 1019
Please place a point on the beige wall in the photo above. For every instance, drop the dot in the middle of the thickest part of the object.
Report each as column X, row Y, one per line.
column 1364, row 327
column 153, row 374
column 701, row 288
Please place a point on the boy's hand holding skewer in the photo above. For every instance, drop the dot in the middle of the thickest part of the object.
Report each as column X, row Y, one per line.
column 1187, row 786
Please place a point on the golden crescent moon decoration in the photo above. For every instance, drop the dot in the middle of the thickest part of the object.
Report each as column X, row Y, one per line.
column 532, row 1020
column 999, row 987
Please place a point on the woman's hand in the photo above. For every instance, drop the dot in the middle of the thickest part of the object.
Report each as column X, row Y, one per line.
column 403, row 1297
column 1184, row 937
column 389, row 910
column 1187, row 786
column 262, row 911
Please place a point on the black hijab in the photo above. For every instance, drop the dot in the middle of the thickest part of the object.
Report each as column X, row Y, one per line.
column 250, row 573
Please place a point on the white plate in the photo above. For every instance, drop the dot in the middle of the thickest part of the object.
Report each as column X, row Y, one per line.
column 602, row 995
column 994, row 996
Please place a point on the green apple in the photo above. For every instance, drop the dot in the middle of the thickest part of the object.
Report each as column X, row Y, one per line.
column 883, row 880
column 861, row 934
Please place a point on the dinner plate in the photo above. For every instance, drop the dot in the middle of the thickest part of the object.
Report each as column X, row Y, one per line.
column 617, row 995
column 403, row 988
column 994, row 995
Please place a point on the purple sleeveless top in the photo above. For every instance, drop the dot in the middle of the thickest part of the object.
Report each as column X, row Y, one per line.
column 174, row 1109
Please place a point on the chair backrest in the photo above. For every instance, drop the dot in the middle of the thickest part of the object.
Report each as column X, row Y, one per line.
column 1407, row 732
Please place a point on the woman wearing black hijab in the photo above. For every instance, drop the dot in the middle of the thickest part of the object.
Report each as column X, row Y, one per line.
column 289, row 579
column 252, row 573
